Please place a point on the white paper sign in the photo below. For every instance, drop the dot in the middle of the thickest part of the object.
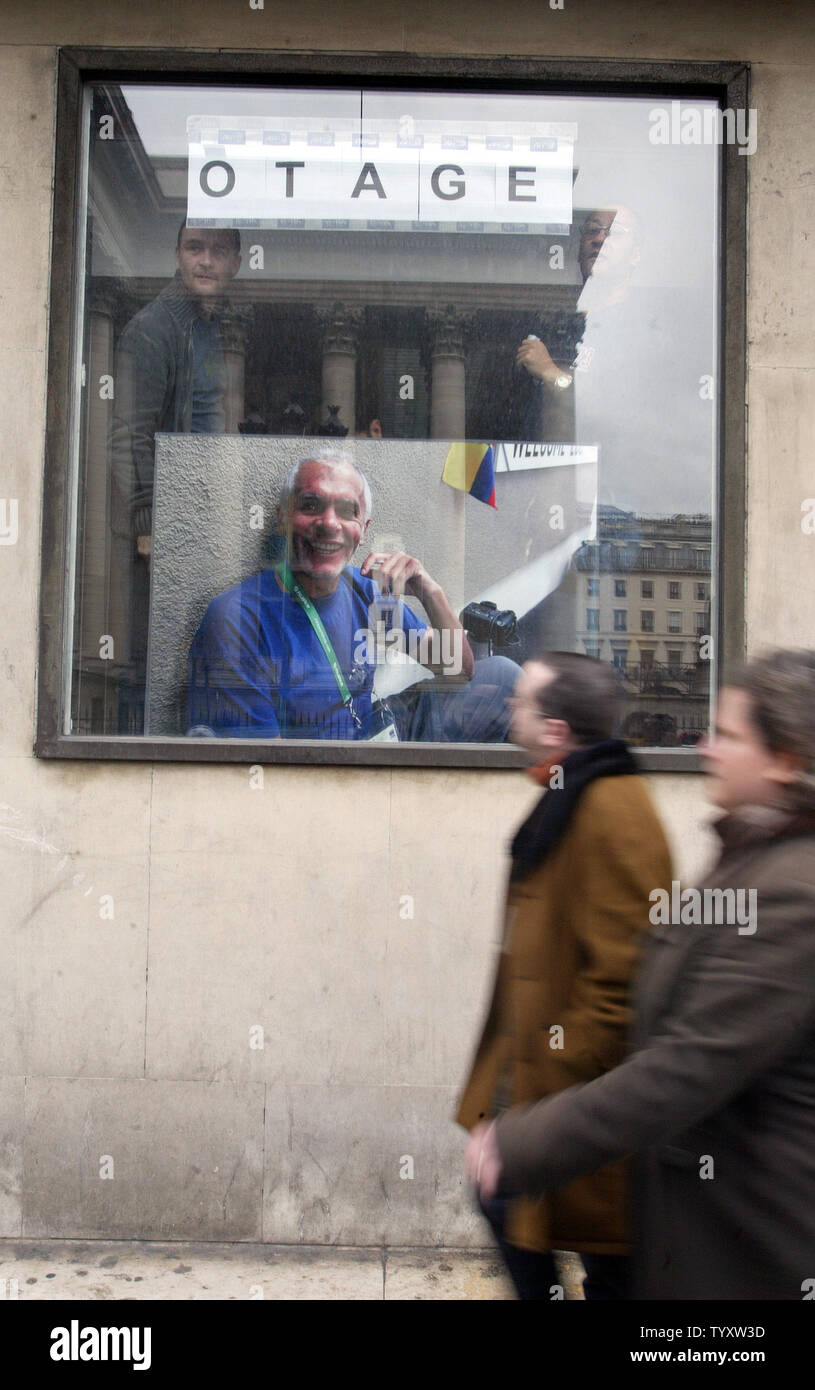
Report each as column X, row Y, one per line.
column 276, row 173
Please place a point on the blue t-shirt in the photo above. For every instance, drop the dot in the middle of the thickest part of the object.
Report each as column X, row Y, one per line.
column 257, row 669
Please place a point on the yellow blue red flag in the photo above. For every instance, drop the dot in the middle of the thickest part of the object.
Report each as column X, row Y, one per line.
column 471, row 468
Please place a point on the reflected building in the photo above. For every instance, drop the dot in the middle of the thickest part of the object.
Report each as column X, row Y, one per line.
column 644, row 604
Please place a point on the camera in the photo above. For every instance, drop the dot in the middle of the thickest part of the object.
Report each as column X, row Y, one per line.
column 495, row 629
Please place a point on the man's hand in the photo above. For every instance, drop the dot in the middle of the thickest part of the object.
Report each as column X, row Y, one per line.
column 400, row 574
column 533, row 356
column 483, row 1160
column 143, row 548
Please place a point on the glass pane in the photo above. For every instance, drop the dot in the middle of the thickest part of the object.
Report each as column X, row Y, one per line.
column 475, row 323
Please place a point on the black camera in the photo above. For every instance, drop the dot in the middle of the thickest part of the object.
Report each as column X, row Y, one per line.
column 494, row 629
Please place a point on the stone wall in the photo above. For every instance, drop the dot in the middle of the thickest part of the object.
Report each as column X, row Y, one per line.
column 130, row 1039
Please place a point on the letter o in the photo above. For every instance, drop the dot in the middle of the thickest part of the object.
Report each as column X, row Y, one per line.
column 203, row 178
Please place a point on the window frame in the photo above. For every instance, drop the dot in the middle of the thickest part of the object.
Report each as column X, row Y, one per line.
column 726, row 81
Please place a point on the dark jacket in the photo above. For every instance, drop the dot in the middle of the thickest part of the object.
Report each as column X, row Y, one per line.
column 152, row 394
column 718, row 1096
column 574, row 929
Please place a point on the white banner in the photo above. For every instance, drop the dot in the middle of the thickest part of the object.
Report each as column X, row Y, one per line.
column 512, row 458
column 277, row 173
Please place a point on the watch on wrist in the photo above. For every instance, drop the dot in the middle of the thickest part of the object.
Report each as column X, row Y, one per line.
column 563, row 380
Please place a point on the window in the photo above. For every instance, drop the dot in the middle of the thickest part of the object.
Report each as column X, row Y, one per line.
column 699, row 622
column 620, row 658
column 701, row 591
column 647, row 620
column 674, row 621
column 674, row 589
column 646, row 659
column 320, row 267
column 674, row 659
column 592, row 648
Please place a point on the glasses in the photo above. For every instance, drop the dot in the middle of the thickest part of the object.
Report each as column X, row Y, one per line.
column 615, row 228
column 519, row 702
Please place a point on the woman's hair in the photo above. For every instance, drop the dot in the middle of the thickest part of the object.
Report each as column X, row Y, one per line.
column 780, row 686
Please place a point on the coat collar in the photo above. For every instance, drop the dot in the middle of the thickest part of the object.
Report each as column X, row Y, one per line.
column 753, row 823
column 550, row 818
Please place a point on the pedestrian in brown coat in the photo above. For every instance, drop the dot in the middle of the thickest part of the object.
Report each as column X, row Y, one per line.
column 583, row 866
column 717, row 1098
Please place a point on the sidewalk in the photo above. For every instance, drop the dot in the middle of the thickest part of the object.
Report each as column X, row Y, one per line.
column 136, row 1270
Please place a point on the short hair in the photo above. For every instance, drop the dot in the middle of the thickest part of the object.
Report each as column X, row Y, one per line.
column 232, row 232
column 334, row 458
column 780, row 686
column 584, row 692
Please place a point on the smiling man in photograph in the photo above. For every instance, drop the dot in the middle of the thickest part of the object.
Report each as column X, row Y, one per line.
column 285, row 655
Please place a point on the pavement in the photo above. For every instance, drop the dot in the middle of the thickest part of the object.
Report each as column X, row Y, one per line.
column 131, row 1271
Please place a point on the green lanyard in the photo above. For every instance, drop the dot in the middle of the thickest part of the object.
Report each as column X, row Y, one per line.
column 294, row 587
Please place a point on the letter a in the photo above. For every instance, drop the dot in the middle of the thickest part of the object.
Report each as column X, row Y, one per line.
column 363, row 186
column 660, row 132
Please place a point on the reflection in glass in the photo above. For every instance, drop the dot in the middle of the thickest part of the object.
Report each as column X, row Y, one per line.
column 217, row 357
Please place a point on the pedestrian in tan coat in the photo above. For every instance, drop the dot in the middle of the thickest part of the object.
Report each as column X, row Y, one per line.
column 583, row 867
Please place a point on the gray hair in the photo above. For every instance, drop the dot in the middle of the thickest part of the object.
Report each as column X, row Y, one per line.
column 780, row 686
column 334, row 458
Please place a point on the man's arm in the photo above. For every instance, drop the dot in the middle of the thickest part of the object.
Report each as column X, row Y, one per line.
column 741, row 1006
column 141, row 385
column 401, row 574
column 228, row 685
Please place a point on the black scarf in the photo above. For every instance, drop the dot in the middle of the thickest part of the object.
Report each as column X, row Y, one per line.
column 543, row 828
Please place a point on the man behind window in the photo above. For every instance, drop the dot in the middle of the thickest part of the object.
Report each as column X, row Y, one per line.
column 292, row 651
column 170, row 375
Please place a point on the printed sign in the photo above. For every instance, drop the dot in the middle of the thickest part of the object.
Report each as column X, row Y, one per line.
column 450, row 176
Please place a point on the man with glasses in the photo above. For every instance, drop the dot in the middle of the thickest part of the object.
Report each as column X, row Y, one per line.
column 292, row 652
column 584, row 865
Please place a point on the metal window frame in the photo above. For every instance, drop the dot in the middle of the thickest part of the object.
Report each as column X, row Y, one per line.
column 726, row 82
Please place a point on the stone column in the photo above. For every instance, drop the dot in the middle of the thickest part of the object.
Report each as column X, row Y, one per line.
column 447, row 375
column 100, row 617
column 447, row 421
column 339, row 371
column 234, row 330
